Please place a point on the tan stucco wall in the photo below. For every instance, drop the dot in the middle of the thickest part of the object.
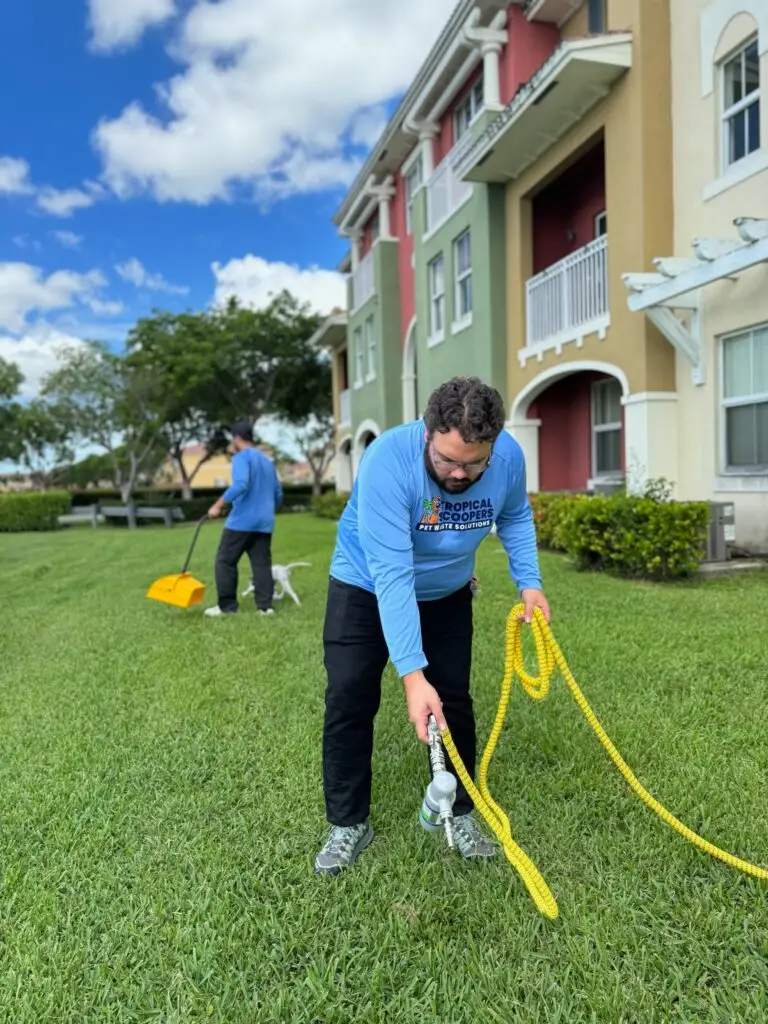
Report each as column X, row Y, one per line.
column 636, row 123
column 727, row 305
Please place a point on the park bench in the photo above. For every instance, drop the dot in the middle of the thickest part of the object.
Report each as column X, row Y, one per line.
column 97, row 513
column 82, row 514
column 135, row 512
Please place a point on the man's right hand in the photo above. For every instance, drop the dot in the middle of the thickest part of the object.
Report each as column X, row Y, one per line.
column 423, row 701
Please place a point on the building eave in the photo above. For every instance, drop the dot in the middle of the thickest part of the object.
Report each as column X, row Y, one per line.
column 331, row 333
column 396, row 141
column 578, row 75
column 555, row 12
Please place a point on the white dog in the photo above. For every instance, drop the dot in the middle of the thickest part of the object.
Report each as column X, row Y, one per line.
column 281, row 574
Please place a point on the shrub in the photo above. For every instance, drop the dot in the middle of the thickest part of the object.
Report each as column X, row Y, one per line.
column 637, row 536
column 20, row 513
column 551, row 512
column 330, row 505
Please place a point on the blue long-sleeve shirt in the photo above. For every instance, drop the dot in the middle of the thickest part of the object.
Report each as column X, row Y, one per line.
column 405, row 539
column 255, row 493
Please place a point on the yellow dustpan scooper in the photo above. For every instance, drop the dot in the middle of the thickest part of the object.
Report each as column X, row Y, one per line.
column 180, row 589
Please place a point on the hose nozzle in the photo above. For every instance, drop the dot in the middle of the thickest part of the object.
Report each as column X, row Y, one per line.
column 437, row 807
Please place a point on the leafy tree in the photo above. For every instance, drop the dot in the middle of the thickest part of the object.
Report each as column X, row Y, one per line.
column 10, row 382
column 45, row 441
column 103, row 400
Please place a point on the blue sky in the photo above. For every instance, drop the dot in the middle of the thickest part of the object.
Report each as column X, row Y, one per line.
column 167, row 153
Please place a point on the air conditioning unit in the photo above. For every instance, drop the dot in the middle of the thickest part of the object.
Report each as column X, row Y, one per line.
column 721, row 532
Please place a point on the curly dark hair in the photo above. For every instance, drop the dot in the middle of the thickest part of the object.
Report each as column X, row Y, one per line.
column 468, row 405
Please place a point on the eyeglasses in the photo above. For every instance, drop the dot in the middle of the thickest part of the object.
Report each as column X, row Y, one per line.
column 450, row 464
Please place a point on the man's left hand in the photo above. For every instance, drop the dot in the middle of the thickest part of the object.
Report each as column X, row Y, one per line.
column 533, row 599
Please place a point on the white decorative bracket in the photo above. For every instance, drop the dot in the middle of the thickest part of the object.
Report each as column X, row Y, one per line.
column 678, row 280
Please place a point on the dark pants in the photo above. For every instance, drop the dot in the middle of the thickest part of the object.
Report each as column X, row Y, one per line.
column 355, row 658
column 233, row 545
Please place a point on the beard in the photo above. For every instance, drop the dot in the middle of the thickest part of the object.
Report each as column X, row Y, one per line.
column 448, row 483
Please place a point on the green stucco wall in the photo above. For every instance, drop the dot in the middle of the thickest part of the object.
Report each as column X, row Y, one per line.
column 379, row 400
column 480, row 349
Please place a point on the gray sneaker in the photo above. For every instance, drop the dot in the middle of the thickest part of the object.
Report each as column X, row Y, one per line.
column 470, row 841
column 342, row 848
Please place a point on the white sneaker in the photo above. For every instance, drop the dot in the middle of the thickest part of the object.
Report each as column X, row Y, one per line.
column 215, row 610
column 266, row 611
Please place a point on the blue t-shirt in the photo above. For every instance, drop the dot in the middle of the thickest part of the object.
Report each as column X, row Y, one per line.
column 404, row 538
column 255, row 493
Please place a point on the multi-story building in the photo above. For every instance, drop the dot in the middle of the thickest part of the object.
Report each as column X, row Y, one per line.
column 514, row 205
column 708, row 291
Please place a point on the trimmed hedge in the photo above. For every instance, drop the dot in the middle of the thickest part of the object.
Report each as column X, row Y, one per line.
column 22, row 513
column 296, row 497
column 643, row 536
column 330, row 505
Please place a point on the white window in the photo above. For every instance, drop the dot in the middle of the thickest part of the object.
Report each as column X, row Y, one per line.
column 601, row 224
column 745, row 400
column 357, row 340
column 413, row 181
column 468, row 109
column 462, row 259
column 370, row 348
column 741, row 104
column 436, row 271
column 606, row 428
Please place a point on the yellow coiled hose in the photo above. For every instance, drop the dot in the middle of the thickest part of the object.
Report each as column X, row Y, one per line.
column 550, row 657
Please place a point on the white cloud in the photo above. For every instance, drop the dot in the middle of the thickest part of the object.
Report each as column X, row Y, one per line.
column 36, row 354
column 24, row 289
column 14, row 177
column 25, row 242
column 134, row 272
column 64, row 202
column 255, row 282
column 269, row 92
column 68, row 239
column 118, row 24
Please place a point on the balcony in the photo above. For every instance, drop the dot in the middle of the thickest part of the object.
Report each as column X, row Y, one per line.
column 578, row 75
column 445, row 190
column 569, row 299
column 345, row 408
column 363, row 281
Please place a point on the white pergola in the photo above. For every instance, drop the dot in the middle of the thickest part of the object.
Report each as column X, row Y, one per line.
column 676, row 284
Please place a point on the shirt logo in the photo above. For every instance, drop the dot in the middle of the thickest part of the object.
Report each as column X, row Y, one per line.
column 469, row 514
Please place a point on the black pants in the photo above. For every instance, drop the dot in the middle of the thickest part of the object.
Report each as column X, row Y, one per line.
column 233, row 545
column 355, row 658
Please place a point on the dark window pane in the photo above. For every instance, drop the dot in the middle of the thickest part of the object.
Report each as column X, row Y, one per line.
column 762, row 433
column 737, row 127
column 740, row 435
column 608, row 452
column 751, row 69
column 753, row 127
column 733, row 82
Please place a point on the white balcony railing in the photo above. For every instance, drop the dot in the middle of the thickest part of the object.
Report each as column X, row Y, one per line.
column 363, row 282
column 345, row 408
column 445, row 190
column 570, row 298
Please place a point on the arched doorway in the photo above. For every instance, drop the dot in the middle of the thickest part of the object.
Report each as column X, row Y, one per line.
column 344, row 466
column 365, row 435
column 569, row 422
column 410, row 375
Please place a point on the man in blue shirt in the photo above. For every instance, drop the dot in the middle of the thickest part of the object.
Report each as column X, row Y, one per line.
column 255, row 494
column 426, row 494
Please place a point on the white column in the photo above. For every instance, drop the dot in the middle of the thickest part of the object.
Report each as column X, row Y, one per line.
column 426, row 136
column 526, row 433
column 491, row 76
column 384, row 226
column 355, row 252
column 650, row 438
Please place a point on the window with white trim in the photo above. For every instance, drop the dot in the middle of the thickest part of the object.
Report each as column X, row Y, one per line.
column 462, row 261
column 413, row 181
column 357, row 341
column 466, row 111
column 745, row 400
column 436, row 275
column 741, row 104
column 601, row 224
column 370, row 349
column 606, row 428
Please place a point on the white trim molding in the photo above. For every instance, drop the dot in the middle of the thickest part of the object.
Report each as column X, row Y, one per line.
column 742, row 170
column 409, row 374
column 714, row 19
column 543, row 380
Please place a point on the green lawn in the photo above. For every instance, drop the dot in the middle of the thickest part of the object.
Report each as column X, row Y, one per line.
column 161, row 807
